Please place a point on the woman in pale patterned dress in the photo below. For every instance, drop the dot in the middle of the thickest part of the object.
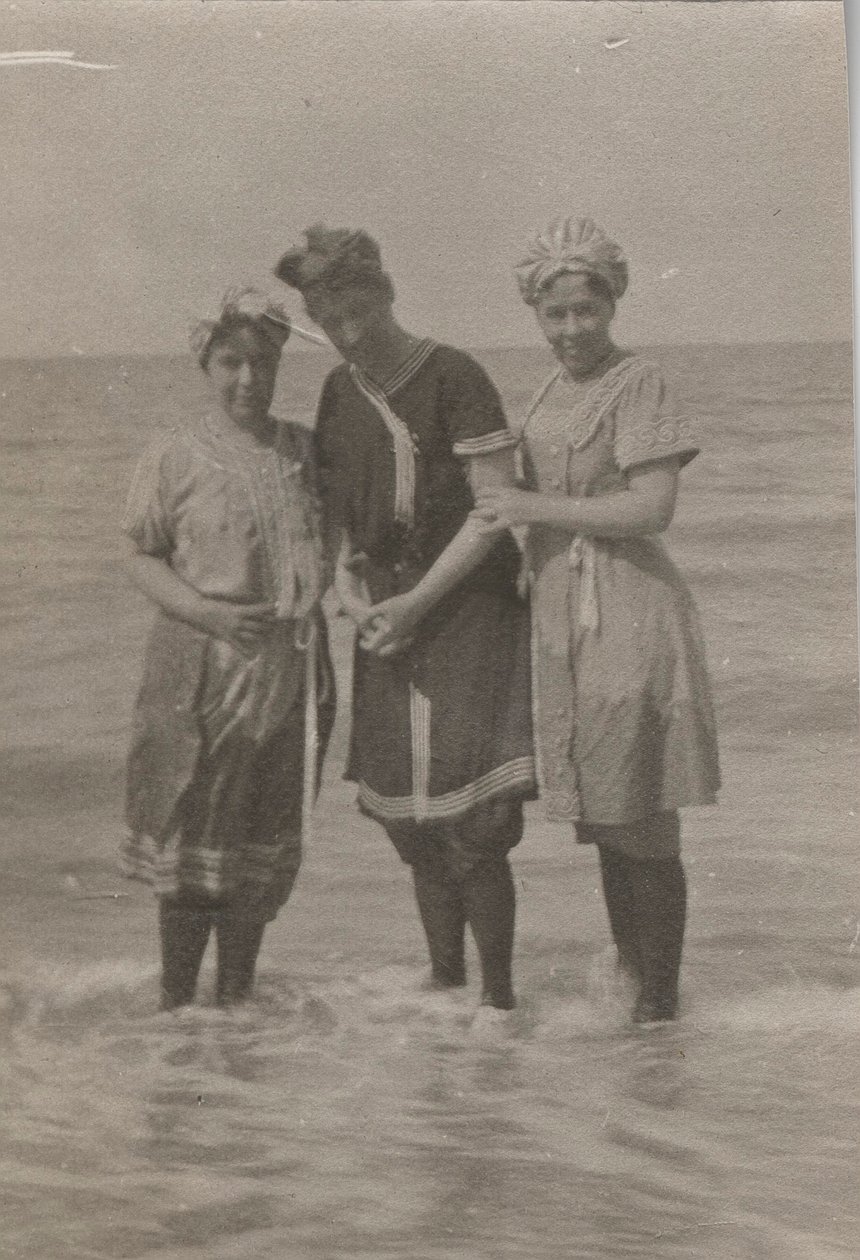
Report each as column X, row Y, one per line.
column 223, row 521
column 624, row 719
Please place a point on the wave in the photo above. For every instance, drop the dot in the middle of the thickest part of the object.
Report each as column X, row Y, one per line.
column 394, row 1000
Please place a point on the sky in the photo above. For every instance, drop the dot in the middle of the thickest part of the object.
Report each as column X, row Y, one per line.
column 712, row 144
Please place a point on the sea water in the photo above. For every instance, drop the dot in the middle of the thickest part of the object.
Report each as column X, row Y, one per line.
column 345, row 1114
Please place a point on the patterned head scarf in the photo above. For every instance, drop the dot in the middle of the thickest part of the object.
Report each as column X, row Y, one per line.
column 335, row 259
column 571, row 246
column 243, row 306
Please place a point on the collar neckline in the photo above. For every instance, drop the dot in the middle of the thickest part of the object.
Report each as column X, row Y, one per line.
column 609, row 361
column 419, row 354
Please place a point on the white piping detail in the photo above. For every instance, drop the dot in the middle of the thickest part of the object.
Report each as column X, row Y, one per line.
column 486, row 444
column 419, row 714
column 517, row 773
column 407, row 370
column 404, row 448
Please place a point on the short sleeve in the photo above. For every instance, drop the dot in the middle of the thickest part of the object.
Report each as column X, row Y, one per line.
column 647, row 427
column 147, row 517
column 473, row 410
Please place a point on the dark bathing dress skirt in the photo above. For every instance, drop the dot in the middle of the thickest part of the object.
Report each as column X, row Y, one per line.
column 441, row 743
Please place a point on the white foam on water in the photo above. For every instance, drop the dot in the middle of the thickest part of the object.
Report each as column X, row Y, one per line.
column 814, row 1009
column 41, row 994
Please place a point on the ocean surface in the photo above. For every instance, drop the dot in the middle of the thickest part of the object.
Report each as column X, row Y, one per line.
column 344, row 1115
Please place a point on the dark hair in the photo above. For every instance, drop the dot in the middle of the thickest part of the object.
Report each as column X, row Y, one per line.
column 336, row 259
column 224, row 329
column 596, row 284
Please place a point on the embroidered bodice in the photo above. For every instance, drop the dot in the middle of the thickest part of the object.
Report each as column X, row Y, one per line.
column 581, row 439
column 234, row 521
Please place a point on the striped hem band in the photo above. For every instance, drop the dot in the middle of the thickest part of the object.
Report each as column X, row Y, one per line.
column 517, row 773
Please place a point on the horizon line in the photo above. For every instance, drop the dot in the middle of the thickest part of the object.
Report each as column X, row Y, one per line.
column 474, row 348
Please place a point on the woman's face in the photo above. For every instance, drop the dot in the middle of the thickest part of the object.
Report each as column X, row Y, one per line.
column 348, row 318
column 575, row 320
column 242, row 371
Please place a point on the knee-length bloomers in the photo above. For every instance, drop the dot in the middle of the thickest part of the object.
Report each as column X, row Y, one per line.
column 444, row 729
column 624, row 719
column 215, row 770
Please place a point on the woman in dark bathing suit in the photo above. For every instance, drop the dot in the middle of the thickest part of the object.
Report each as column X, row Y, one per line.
column 407, row 431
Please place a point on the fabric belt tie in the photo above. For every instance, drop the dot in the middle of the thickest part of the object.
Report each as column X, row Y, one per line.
column 582, row 556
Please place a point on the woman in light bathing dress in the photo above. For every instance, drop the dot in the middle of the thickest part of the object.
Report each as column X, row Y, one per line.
column 223, row 521
column 407, row 430
column 625, row 725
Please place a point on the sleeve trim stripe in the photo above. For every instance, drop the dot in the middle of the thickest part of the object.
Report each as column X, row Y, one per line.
column 487, row 443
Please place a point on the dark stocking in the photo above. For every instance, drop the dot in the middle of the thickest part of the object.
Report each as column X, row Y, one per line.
column 239, row 942
column 661, row 900
column 184, row 930
column 443, row 917
column 619, row 892
column 490, row 901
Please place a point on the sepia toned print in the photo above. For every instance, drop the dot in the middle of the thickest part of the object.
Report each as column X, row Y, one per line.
column 642, row 1045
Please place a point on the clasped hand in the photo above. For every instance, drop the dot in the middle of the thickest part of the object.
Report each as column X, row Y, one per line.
column 498, row 508
column 387, row 628
column 243, row 626
column 384, row 628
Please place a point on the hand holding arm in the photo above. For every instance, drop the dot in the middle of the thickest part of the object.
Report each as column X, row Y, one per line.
column 400, row 616
column 244, row 626
column 646, row 506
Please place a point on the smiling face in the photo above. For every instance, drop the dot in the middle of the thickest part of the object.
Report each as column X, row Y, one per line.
column 349, row 317
column 242, row 367
column 574, row 315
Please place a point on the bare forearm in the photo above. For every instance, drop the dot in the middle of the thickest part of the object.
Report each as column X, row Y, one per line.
column 464, row 553
column 244, row 626
column 469, row 546
column 155, row 579
column 395, row 619
column 621, row 515
column 645, row 506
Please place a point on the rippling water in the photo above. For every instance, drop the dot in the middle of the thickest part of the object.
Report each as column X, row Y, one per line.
column 345, row 1113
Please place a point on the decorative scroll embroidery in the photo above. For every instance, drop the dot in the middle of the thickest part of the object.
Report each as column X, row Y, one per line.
column 601, row 399
column 404, row 448
column 580, row 425
column 653, row 441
